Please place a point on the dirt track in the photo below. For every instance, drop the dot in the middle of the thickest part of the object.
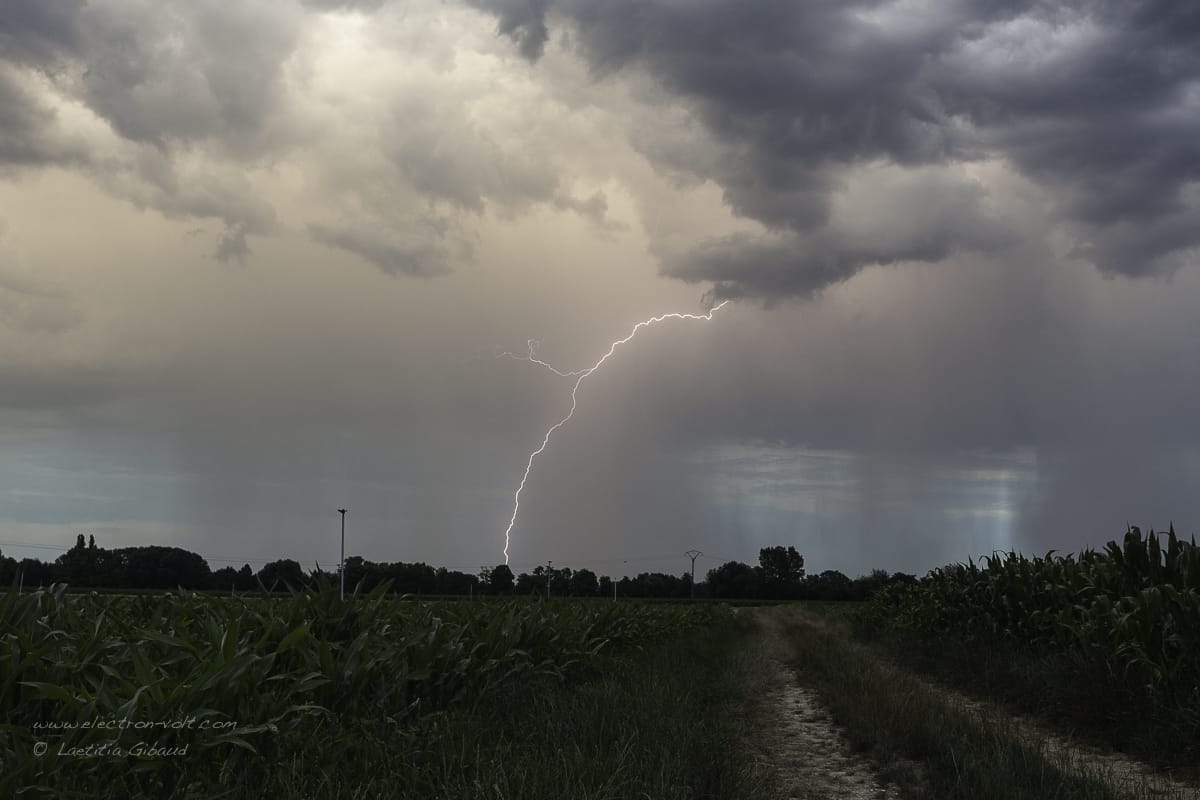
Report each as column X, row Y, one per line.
column 814, row 758
column 805, row 747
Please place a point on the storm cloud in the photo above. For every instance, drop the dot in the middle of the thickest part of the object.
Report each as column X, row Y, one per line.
column 258, row 261
column 1096, row 102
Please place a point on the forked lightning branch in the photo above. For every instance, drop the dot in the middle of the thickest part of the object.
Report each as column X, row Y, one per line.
column 580, row 376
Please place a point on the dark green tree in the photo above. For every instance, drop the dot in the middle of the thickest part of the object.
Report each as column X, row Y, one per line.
column 225, row 578
column 8, row 571
column 284, row 573
column 245, row 579
column 454, row 582
column 583, row 583
column 782, row 570
column 829, row 585
column 734, row 579
column 501, row 579
column 169, row 567
column 35, row 572
column 532, row 583
column 560, row 582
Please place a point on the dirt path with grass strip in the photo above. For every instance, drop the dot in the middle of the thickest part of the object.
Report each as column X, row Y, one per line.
column 1120, row 772
column 803, row 746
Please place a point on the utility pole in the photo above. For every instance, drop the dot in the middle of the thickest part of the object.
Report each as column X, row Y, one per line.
column 342, row 569
column 693, row 555
column 548, row 563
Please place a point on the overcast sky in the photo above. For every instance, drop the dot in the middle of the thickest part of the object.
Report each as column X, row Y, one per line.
column 257, row 261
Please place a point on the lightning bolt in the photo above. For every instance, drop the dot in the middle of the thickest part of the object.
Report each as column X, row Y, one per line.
column 580, row 376
column 532, row 344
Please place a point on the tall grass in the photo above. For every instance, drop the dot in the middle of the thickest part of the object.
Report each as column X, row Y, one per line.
column 926, row 744
column 666, row 722
column 256, row 677
column 1111, row 638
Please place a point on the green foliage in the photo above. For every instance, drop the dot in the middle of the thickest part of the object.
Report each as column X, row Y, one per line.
column 782, row 569
column 273, row 666
column 1127, row 616
column 500, row 579
column 666, row 722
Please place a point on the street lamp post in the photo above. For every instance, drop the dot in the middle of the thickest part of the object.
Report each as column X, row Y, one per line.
column 693, row 555
column 342, row 569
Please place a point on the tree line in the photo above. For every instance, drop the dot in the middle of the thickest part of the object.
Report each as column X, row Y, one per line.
column 779, row 575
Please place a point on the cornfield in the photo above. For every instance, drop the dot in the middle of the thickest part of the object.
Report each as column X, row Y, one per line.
column 1129, row 614
column 255, row 676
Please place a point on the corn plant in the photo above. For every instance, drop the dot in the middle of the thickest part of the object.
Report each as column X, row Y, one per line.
column 279, row 668
column 1130, row 612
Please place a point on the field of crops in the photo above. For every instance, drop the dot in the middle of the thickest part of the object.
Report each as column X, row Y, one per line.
column 1122, row 624
column 230, row 686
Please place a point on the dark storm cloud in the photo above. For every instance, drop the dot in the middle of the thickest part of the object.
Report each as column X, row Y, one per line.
column 343, row 5
column 415, row 257
column 524, row 21
column 175, row 73
column 1097, row 102
column 25, row 124
column 940, row 217
column 156, row 180
column 33, row 31
column 173, row 80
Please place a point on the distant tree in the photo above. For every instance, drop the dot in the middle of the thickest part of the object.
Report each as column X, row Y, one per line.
column 532, row 583
column 584, row 584
column 782, row 571
column 419, row 578
column 245, row 579
column 454, row 582
column 281, row 574
column 8, row 571
column 560, row 582
column 866, row 585
column 605, row 586
column 733, row 579
column 77, row 566
column 225, row 578
column 829, row 585
column 36, row 572
column 501, row 580
column 658, row 584
column 358, row 571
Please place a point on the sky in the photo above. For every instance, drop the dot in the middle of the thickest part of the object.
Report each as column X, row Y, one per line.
column 259, row 261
